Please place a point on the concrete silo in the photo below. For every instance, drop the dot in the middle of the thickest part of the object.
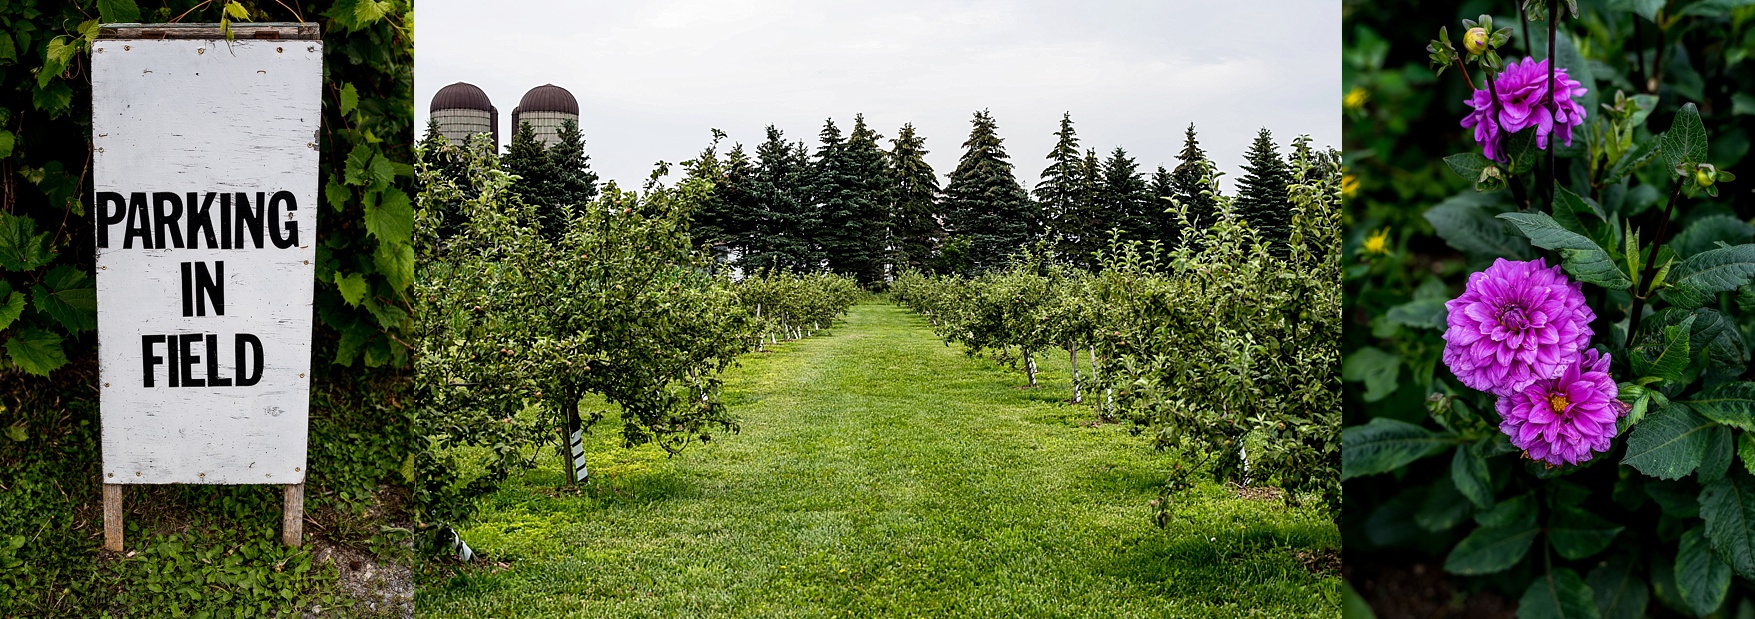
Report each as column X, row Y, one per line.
column 545, row 107
column 462, row 110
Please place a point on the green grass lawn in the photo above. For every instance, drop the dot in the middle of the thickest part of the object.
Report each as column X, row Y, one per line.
column 881, row 473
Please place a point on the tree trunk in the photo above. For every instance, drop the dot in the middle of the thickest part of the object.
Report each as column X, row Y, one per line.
column 1074, row 352
column 1030, row 367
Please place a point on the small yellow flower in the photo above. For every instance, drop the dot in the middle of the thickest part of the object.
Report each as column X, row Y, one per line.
column 1377, row 242
column 1349, row 186
column 1356, row 98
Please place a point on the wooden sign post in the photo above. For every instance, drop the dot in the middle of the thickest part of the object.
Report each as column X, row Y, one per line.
column 205, row 171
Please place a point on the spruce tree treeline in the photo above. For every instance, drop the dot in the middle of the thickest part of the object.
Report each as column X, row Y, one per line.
column 853, row 206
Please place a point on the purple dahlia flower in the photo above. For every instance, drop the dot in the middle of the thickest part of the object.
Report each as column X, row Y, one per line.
column 1564, row 420
column 1523, row 103
column 1514, row 324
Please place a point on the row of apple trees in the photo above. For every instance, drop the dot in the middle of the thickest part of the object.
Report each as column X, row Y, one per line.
column 1225, row 352
column 619, row 305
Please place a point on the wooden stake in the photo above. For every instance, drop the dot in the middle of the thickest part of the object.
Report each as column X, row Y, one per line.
column 292, row 516
column 113, row 517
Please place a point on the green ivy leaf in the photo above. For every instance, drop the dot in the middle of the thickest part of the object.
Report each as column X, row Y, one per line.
column 350, row 99
column 1561, row 594
column 1701, row 578
column 1385, row 445
column 336, row 193
column 1669, row 443
column 395, row 261
column 1581, row 256
column 1619, row 592
column 118, row 11
column 68, row 296
column 12, row 307
column 21, row 247
column 1728, row 506
column 36, row 351
column 353, row 287
column 354, row 169
column 392, row 218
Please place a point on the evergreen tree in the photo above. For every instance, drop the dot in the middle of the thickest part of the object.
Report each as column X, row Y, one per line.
column 1262, row 198
column 1066, row 207
column 1097, row 222
column 1125, row 197
column 709, row 224
column 1187, row 185
column 849, row 191
column 915, row 230
column 783, row 221
column 538, row 181
column 575, row 184
column 984, row 203
column 1162, row 188
column 441, row 154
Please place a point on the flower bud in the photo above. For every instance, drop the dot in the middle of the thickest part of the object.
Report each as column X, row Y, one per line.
column 1475, row 40
column 1705, row 175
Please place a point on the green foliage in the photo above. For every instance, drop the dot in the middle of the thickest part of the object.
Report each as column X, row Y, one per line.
column 1632, row 210
column 1261, row 193
column 983, row 201
column 1224, row 351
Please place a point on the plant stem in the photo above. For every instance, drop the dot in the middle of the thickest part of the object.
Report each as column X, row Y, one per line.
column 1651, row 269
column 1465, row 71
column 1524, row 19
column 1553, row 104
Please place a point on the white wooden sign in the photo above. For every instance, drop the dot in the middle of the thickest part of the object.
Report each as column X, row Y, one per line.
column 206, row 176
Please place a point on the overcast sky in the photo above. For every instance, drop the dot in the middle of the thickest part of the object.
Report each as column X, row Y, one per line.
column 653, row 77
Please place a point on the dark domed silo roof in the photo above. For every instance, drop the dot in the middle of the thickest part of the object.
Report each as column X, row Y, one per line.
column 548, row 98
column 461, row 96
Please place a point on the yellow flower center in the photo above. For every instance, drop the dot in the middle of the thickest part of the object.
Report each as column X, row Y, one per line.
column 1355, row 98
column 1377, row 242
column 1558, row 402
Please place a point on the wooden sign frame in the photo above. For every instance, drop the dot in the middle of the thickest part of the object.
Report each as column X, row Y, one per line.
column 227, row 119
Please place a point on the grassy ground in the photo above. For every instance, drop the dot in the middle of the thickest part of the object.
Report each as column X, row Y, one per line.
column 881, row 473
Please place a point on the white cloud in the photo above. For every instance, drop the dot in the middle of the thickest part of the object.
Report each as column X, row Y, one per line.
column 653, row 77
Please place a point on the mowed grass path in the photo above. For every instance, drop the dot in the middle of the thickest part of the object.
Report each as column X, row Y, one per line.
column 880, row 473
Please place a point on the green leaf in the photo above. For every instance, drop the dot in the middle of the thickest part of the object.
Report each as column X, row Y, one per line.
column 1718, row 455
column 16, row 432
column 1707, row 232
column 118, row 11
column 1577, row 534
column 1468, row 470
column 1645, row 8
column 1468, row 165
column 336, row 193
column 1443, row 507
column 395, row 261
column 1619, row 592
column 350, row 99
column 1465, row 223
column 1670, row 363
column 8, row 51
column 1385, row 445
column 1728, row 506
column 1520, row 148
column 12, row 308
column 1376, row 368
column 1732, row 404
column 21, row 247
column 1710, row 272
column 1701, row 578
column 6, row 142
column 1560, row 594
column 1685, row 142
column 1420, row 313
column 1669, row 443
column 236, row 11
column 353, row 287
column 70, row 297
column 1494, row 548
column 1582, row 257
column 1580, row 215
column 392, row 218
column 354, row 169
column 36, row 351
column 1746, row 451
